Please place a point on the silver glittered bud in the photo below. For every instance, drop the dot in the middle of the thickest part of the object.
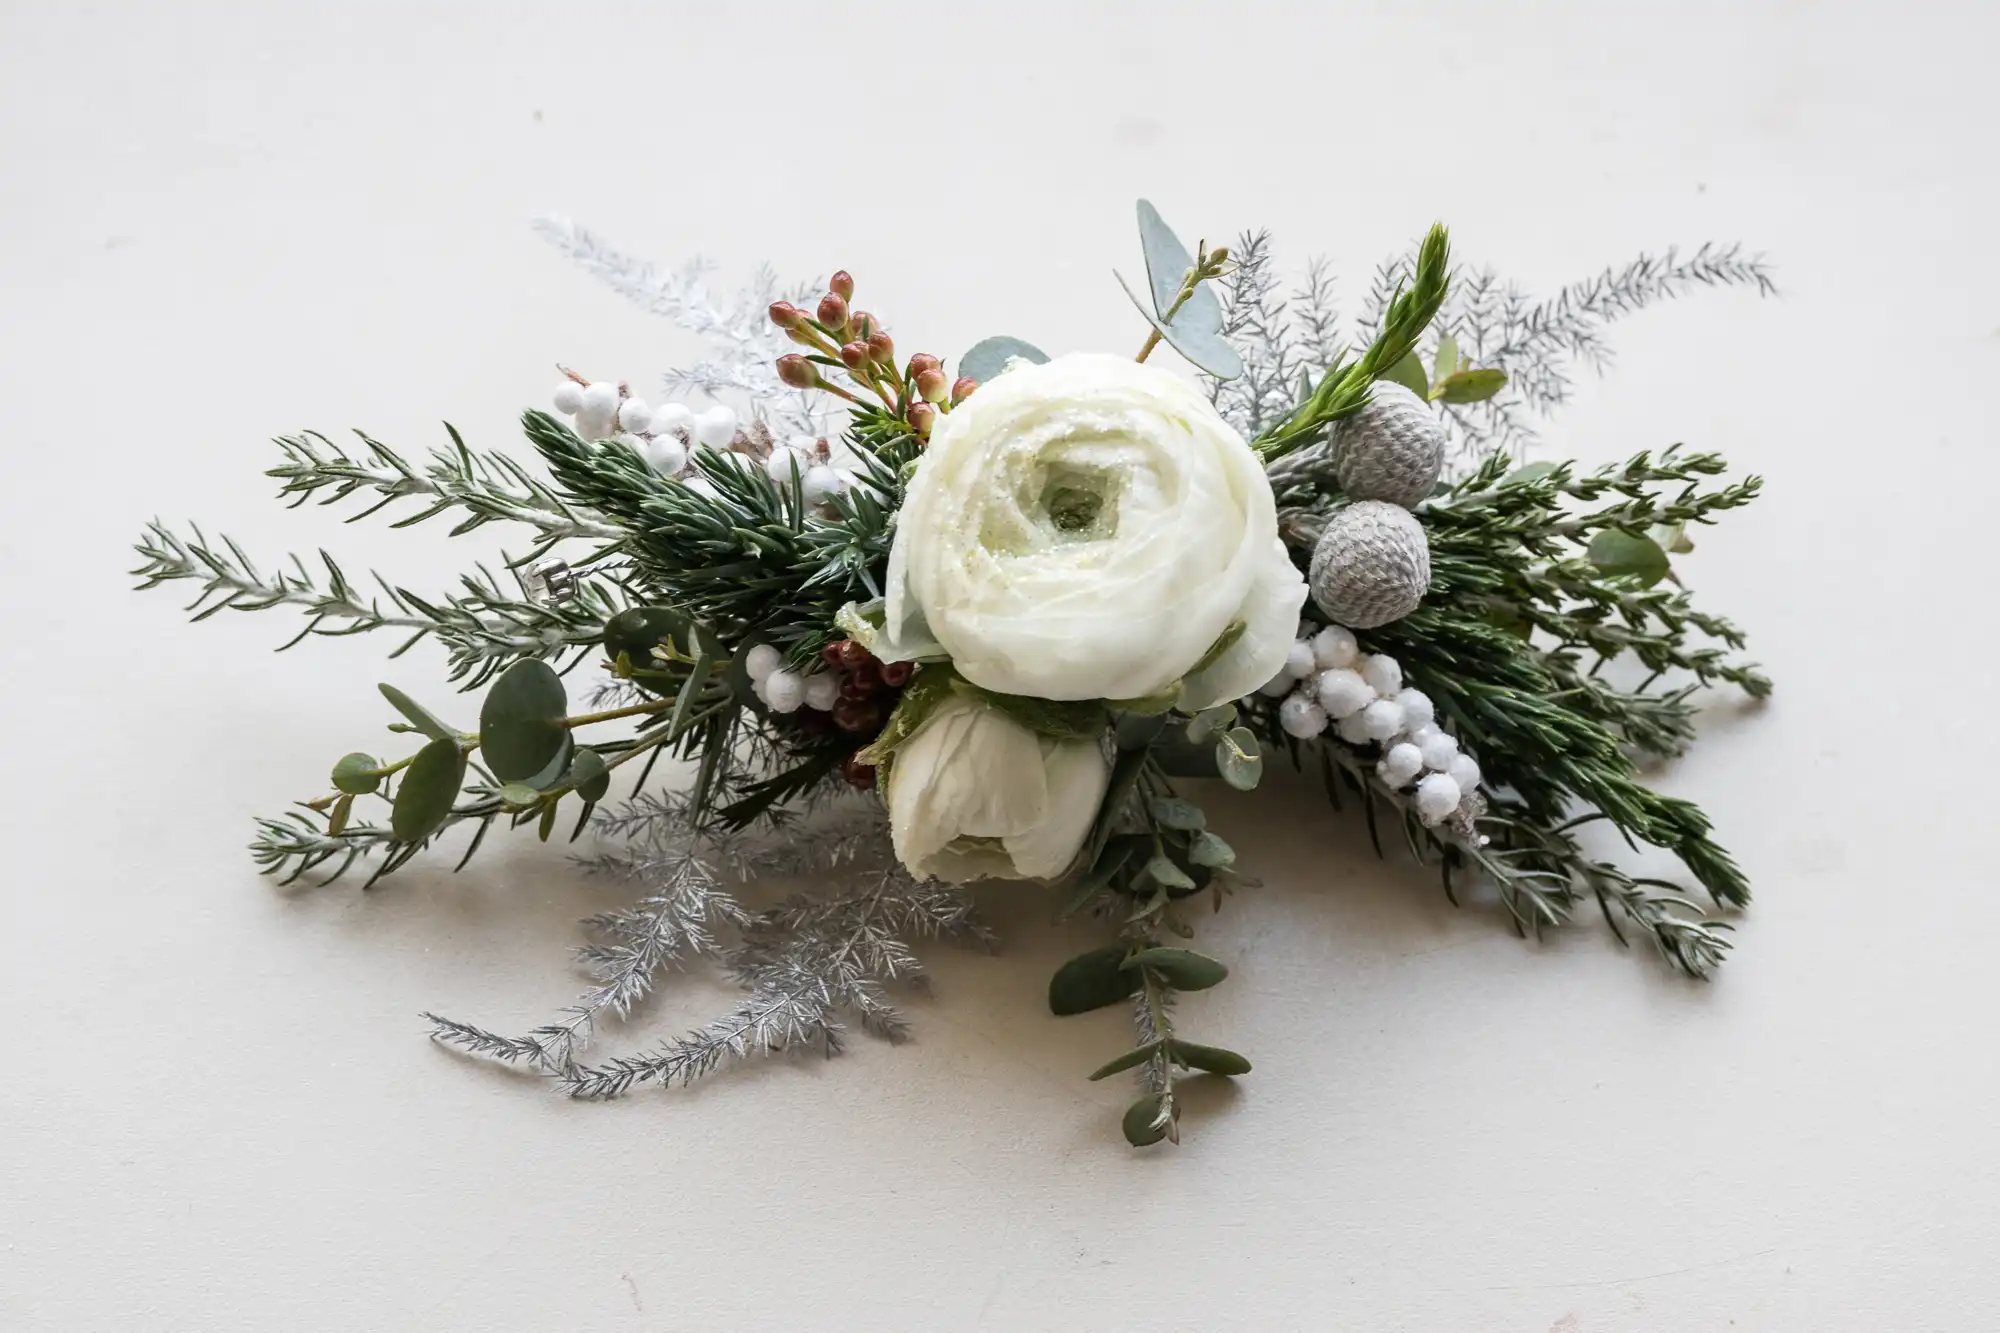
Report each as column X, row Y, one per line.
column 1372, row 565
column 549, row 582
column 1392, row 449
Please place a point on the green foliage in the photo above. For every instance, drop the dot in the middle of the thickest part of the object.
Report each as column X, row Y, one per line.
column 744, row 560
column 989, row 356
column 1091, row 981
column 357, row 774
column 522, row 727
column 1344, row 388
column 428, row 791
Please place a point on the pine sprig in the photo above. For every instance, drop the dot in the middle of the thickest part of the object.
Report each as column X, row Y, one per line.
column 482, row 627
column 743, row 553
column 485, row 486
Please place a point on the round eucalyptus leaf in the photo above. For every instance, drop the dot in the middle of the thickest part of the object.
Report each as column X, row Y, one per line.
column 1210, row 1059
column 588, row 775
column 989, row 356
column 1173, row 812
column 428, row 790
column 1626, row 555
column 553, row 771
column 1211, row 851
column 1184, row 969
column 636, row 630
column 1091, row 981
column 1239, row 757
column 521, row 729
column 356, row 774
column 1148, row 1120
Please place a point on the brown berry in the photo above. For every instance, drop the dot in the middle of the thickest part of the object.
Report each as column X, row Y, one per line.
column 961, row 389
column 833, row 312
column 798, row 372
column 850, row 655
column 931, row 386
column 786, row 315
column 859, row 776
column 854, row 355
column 897, row 674
column 841, row 284
column 921, row 416
column 882, row 347
column 923, row 361
column 857, row 716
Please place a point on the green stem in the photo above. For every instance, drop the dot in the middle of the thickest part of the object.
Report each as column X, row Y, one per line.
column 1188, row 284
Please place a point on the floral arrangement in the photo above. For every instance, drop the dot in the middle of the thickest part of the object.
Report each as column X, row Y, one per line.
column 902, row 625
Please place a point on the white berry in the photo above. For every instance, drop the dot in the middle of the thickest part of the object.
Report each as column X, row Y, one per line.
column 634, row 415
column 822, row 691
column 1334, row 646
column 673, row 419
column 1301, row 717
column 593, row 425
column 1418, row 710
column 1352, row 730
column 780, row 464
column 568, row 398
column 1439, row 750
column 784, row 690
column 820, row 483
column 1342, row 692
column 1383, row 674
column 715, row 427
column 1382, row 719
column 1464, row 770
column 1399, row 767
column 1421, row 736
column 1437, row 797
column 1299, row 661
column 667, row 455
column 601, row 399
column 762, row 660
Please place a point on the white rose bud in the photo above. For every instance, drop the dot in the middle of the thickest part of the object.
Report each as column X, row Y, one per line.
column 973, row 794
column 1090, row 528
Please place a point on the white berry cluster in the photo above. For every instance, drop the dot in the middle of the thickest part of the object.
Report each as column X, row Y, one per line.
column 784, row 690
column 1327, row 681
column 666, row 436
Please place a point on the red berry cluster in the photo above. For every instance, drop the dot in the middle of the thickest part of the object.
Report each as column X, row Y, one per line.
column 868, row 691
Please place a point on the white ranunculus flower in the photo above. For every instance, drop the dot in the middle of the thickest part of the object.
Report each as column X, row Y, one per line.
column 973, row 794
column 1088, row 529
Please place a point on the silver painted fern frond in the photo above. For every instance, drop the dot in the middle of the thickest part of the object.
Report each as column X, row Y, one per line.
column 745, row 344
column 1494, row 322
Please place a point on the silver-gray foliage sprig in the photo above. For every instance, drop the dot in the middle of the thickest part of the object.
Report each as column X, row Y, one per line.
column 743, row 344
column 804, row 965
column 1494, row 322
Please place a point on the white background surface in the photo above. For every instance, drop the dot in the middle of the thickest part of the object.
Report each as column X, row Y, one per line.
column 218, row 1111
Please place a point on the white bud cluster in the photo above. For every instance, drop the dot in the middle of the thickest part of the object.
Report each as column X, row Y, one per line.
column 784, row 690
column 1327, row 682
column 667, row 435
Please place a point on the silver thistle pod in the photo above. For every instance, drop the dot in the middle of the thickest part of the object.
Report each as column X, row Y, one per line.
column 1392, row 449
column 1371, row 566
